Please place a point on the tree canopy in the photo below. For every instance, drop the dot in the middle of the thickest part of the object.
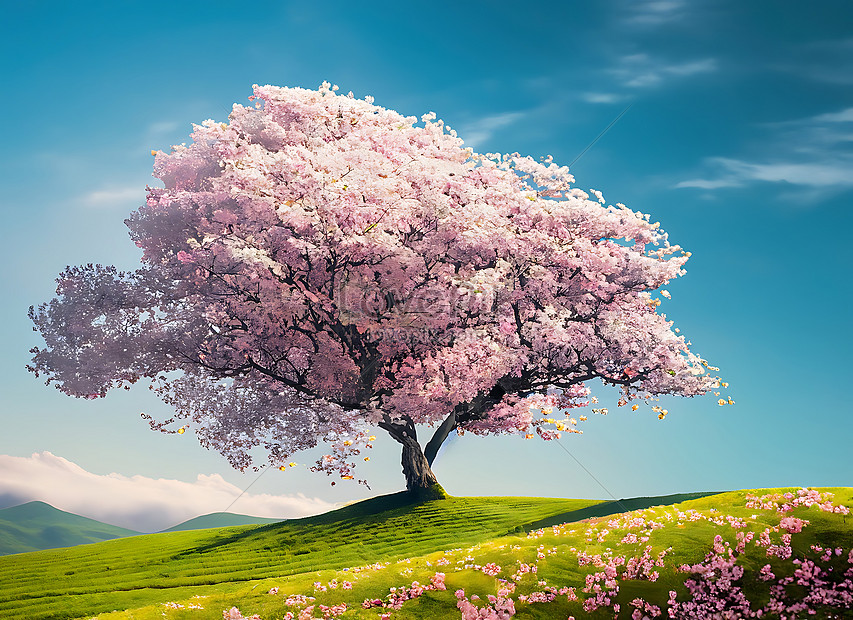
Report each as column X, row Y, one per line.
column 320, row 266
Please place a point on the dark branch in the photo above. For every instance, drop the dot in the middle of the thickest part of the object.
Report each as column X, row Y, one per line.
column 441, row 433
column 401, row 432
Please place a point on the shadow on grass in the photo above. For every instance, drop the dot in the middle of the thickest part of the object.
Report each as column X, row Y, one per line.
column 380, row 508
column 384, row 508
column 606, row 509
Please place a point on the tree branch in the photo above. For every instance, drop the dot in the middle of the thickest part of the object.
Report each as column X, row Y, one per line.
column 399, row 432
column 441, row 433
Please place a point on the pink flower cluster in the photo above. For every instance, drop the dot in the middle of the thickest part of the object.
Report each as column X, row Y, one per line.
column 491, row 569
column 297, row 600
column 523, row 569
column 538, row 597
column 397, row 596
column 602, row 584
column 743, row 539
column 793, row 525
column 643, row 567
column 333, row 611
column 795, row 583
column 803, row 497
column 766, row 573
column 499, row 607
column 234, row 614
column 644, row 609
column 715, row 586
column 714, row 590
column 827, row 553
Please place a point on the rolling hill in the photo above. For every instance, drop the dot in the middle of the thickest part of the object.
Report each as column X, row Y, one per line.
column 778, row 551
column 133, row 572
column 36, row 526
column 219, row 519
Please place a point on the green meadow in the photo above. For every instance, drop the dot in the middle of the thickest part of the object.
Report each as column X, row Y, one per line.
column 364, row 550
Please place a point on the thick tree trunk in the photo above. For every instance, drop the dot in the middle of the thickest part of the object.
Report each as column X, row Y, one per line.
column 415, row 466
column 417, row 463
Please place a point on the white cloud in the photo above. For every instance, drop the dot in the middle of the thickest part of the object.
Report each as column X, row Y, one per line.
column 710, row 184
column 601, row 97
column 482, row 130
column 653, row 12
column 136, row 502
column 816, row 134
column 643, row 71
column 737, row 172
column 813, row 152
column 706, row 65
column 115, row 196
column 813, row 174
column 844, row 116
column 162, row 127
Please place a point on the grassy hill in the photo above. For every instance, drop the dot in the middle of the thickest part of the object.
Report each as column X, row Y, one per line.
column 36, row 525
column 376, row 549
column 131, row 572
column 219, row 519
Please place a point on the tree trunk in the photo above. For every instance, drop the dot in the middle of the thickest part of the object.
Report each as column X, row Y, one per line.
column 441, row 433
column 417, row 463
column 415, row 466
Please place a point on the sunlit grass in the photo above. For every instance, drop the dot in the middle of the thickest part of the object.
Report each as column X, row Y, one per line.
column 385, row 544
column 130, row 572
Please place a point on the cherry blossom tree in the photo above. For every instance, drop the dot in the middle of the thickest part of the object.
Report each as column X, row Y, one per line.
column 319, row 266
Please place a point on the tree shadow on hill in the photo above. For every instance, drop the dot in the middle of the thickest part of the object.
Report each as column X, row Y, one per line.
column 605, row 509
column 380, row 508
column 383, row 508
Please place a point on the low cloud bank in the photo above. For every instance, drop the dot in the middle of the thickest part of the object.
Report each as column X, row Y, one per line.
column 136, row 502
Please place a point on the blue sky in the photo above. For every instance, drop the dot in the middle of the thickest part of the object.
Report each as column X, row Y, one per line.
column 739, row 140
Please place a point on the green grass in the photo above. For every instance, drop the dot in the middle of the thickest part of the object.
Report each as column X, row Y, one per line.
column 218, row 569
column 131, row 572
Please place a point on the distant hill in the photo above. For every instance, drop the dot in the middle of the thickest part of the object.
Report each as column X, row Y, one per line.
column 36, row 525
column 220, row 519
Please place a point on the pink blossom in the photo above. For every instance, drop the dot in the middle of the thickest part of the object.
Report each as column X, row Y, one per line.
column 318, row 264
column 793, row 524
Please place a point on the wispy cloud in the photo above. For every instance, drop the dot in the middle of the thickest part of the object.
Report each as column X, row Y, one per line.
column 653, row 12
column 814, row 152
column 161, row 127
column 114, row 197
column 136, row 502
column 643, row 71
column 605, row 98
column 817, row 134
column 737, row 172
column 481, row 131
column 829, row 61
column 845, row 116
column 724, row 180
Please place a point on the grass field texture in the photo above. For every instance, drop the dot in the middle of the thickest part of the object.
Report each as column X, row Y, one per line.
column 388, row 557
